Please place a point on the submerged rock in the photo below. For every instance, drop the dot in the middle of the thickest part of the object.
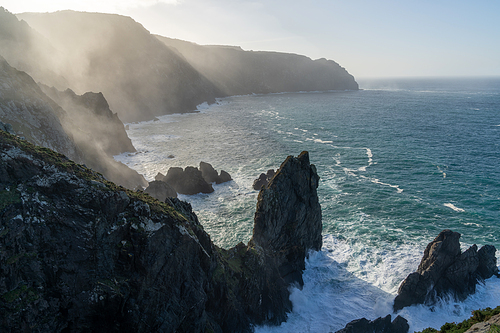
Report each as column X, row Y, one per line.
column 444, row 269
column 379, row 325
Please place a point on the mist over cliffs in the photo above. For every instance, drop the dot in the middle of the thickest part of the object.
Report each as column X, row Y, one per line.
column 143, row 76
column 238, row 72
column 95, row 70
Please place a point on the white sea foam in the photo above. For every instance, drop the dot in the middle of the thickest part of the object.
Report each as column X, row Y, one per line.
column 342, row 283
column 455, row 208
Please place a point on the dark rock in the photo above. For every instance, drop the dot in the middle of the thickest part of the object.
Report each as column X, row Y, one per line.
column 224, row 177
column 445, row 270
column 7, row 128
column 288, row 216
column 379, row 325
column 487, row 262
column 263, row 179
column 160, row 190
column 81, row 254
column 188, row 181
column 159, row 176
column 210, row 174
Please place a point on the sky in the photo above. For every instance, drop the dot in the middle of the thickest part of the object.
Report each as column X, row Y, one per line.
column 383, row 38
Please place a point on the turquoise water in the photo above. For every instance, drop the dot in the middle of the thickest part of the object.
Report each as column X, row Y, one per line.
column 399, row 161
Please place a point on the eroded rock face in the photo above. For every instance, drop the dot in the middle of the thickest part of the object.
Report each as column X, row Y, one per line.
column 288, row 216
column 263, row 179
column 81, row 254
column 444, row 269
column 379, row 325
column 188, row 181
column 160, row 190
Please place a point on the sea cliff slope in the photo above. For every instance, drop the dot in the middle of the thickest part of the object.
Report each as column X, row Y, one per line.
column 79, row 253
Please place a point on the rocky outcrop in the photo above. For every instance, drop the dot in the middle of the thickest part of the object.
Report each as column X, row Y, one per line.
column 81, row 134
column 31, row 113
column 90, row 115
column 211, row 176
column 6, row 127
column 263, row 179
column 379, row 325
column 485, row 326
column 79, row 253
column 444, row 270
column 187, row 181
column 160, row 190
column 288, row 213
column 192, row 180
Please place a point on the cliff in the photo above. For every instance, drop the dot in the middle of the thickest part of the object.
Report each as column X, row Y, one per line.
column 238, row 72
column 86, row 130
column 79, row 253
column 143, row 76
column 140, row 77
column 31, row 113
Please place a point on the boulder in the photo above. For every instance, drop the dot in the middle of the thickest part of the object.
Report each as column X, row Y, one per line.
column 160, row 190
column 263, row 179
column 288, row 216
column 379, row 325
column 444, row 270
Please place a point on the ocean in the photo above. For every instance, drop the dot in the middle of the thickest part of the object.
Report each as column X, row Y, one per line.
column 399, row 160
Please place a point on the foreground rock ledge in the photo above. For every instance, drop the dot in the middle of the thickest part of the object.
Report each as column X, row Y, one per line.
column 445, row 270
column 79, row 253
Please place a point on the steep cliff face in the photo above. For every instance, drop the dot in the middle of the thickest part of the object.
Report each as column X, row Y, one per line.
column 446, row 270
column 27, row 50
column 90, row 114
column 113, row 54
column 143, row 77
column 88, row 133
column 78, row 253
column 31, row 113
column 288, row 216
column 238, row 72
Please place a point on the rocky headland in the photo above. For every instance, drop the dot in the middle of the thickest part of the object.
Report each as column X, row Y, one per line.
column 143, row 76
column 79, row 253
column 446, row 270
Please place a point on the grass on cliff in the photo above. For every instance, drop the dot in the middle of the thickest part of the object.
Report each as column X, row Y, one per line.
column 478, row 316
column 65, row 164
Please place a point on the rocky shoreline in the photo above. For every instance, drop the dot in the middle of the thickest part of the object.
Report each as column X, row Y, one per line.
column 79, row 253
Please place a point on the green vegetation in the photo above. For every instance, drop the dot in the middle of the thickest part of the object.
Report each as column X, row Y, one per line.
column 8, row 198
column 494, row 329
column 65, row 164
column 478, row 316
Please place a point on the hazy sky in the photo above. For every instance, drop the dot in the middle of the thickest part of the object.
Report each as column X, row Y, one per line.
column 368, row 38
